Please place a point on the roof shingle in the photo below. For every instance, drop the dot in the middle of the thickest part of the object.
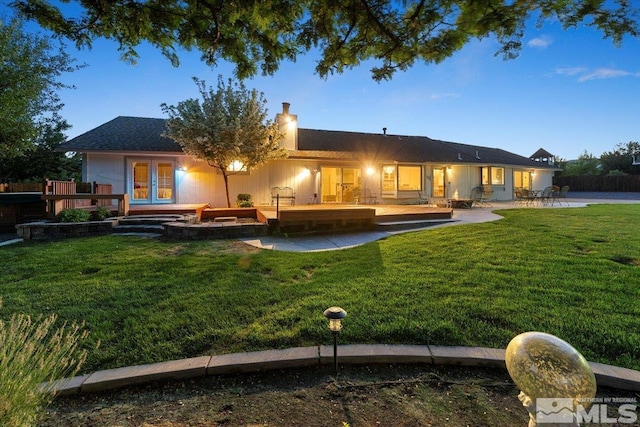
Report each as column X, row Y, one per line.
column 125, row 134
column 137, row 134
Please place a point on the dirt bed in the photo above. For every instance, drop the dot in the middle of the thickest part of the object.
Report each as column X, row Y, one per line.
column 379, row 395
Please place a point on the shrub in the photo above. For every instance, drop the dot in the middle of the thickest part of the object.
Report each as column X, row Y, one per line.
column 74, row 215
column 102, row 213
column 244, row 200
column 32, row 354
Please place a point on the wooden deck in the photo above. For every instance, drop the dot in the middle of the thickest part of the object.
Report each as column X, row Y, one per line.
column 383, row 213
column 194, row 208
column 308, row 217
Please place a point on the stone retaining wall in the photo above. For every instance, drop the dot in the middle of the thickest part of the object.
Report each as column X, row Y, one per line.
column 175, row 230
column 215, row 230
column 60, row 230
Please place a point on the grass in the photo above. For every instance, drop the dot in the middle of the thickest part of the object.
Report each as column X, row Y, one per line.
column 574, row 273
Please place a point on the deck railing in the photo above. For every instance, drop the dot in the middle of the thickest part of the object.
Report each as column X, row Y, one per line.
column 61, row 195
column 61, row 187
column 55, row 202
column 56, row 196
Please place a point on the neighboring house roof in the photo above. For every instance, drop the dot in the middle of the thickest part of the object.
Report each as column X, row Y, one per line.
column 137, row 134
column 541, row 154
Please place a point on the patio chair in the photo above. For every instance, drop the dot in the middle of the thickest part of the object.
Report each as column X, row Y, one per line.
column 476, row 196
column 487, row 192
column 546, row 196
column 560, row 196
column 524, row 197
column 423, row 199
column 480, row 197
column 369, row 198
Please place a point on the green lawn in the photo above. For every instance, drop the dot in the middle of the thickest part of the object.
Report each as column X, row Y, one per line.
column 574, row 273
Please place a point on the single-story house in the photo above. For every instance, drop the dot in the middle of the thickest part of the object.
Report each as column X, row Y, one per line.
column 323, row 166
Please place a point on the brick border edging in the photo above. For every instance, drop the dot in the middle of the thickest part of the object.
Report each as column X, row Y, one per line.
column 298, row 357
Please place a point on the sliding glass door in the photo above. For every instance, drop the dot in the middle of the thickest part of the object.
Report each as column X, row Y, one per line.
column 341, row 185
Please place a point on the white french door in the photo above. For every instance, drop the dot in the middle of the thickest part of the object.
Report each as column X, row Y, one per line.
column 151, row 181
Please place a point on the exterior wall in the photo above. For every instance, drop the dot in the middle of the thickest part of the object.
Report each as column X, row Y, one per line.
column 302, row 176
column 542, row 179
column 197, row 182
column 296, row 174
column 460, row 180
column 105, row 169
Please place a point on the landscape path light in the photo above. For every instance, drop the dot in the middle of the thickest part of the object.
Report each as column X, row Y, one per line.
column 335, row 316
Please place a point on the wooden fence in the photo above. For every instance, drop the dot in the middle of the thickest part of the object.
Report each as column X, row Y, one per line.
column 59, row 195
column 22, row 187
column 601, row 183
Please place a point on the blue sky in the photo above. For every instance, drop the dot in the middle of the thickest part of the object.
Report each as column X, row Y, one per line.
column 569, row 91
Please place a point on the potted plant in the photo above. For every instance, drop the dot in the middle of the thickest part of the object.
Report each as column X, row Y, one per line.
column 244, row 200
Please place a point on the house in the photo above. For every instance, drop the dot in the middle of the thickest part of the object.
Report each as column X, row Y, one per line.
column 323, row 167
column 543, row 155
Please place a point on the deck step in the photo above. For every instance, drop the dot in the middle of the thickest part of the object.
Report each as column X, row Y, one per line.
column 138, row 228
column 226, row 219
column 409, row 225
column 157, row 219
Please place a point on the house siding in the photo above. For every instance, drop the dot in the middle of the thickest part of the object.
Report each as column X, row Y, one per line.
column 201, row 183
column 109, row 149
column 104, row 168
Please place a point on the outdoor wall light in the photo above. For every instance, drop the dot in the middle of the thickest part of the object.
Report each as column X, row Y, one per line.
column 310, row 171
column 370, row 170
column 335, row 316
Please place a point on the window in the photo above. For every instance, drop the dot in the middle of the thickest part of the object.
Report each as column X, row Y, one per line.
column 522, row 179
column 492, row 176
column 237, row 166
column 401, row 178
column 389, row 178
column 409, row 178
column 497, row 176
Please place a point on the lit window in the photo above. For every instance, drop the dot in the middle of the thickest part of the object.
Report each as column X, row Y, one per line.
column 409, row 178
column 497, row 176
column 389, row 178
column 237, row 166
column 492, row 176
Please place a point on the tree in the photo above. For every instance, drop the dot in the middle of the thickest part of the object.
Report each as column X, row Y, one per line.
column 586, row 164
column 229, row 126
column 29, row 69
column 620, row 159
column 43, row 161
column 392, row 33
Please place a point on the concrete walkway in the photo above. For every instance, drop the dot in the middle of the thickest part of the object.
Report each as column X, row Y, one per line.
column 328, row 242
